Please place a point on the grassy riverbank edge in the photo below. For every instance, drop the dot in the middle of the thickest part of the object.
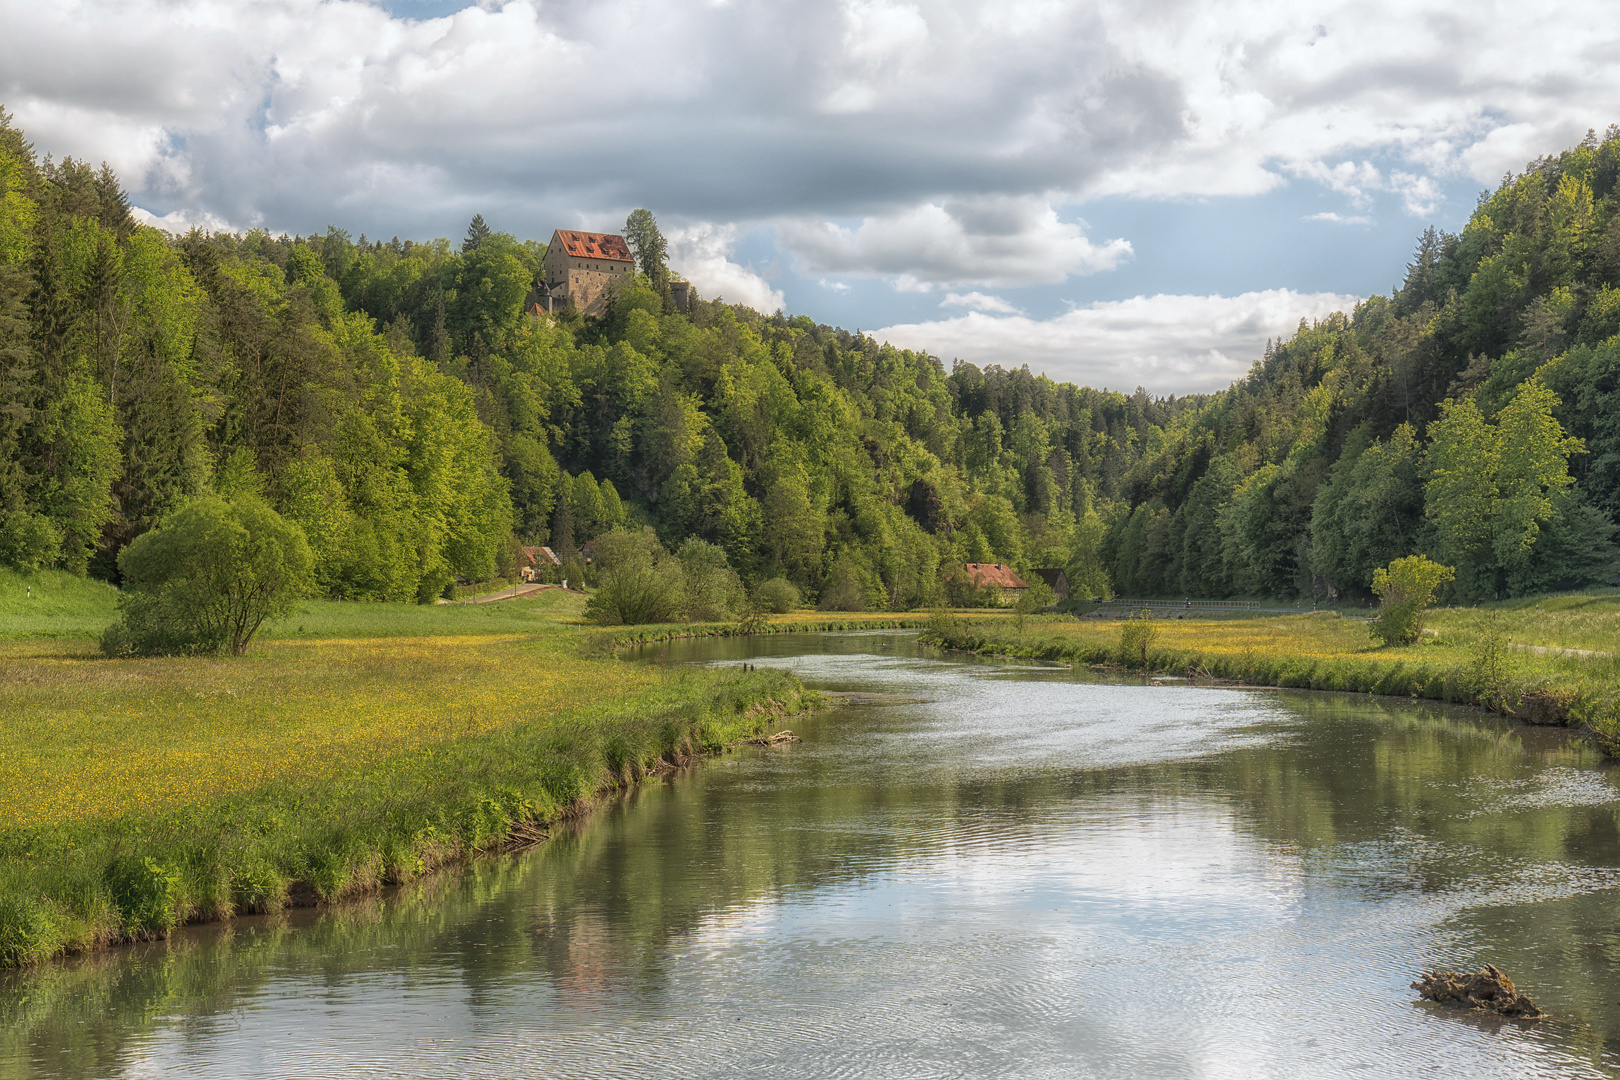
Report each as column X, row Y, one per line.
column 77, row 887
column 1548, row 690
column 615, row 638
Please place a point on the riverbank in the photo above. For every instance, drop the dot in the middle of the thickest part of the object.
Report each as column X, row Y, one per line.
column 333, row 760
column 614, row 638
column 1473, row 656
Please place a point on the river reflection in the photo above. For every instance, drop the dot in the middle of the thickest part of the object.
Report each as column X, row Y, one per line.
column 1023, row 872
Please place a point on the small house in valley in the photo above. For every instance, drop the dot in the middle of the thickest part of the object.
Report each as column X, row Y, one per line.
column 535, row 562
column 1056, row 580
column 998, row 577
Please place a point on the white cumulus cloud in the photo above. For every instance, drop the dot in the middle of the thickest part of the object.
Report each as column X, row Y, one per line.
column 702, row 254
column 997, row 241
column 919, row 142
column 1166, row 343
column 978, row 301
column 180, row 222
column 287, row 104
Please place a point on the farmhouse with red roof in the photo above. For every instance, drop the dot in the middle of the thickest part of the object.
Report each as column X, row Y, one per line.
column 535, row 561
column 998, row 576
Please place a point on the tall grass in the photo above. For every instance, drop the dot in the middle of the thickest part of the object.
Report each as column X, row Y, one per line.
column 1324, row 651
column 138, row 794
column 1572, row 621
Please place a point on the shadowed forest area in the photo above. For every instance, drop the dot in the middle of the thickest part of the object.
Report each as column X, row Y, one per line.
column 400, row 404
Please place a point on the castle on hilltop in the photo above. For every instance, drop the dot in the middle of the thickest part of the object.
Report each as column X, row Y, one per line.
column 583, row 270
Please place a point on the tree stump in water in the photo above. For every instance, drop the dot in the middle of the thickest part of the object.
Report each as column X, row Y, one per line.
column 1491, row 989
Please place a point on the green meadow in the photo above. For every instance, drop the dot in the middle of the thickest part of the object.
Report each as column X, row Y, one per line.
column 355, row 746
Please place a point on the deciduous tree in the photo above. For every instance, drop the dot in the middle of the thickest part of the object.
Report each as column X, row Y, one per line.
column 208, row 577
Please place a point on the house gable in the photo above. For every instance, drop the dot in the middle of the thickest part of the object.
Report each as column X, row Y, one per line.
column 1056, row 580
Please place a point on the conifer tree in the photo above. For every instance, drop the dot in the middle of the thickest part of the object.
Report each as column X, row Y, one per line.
column 477, row 233
column 649, row 245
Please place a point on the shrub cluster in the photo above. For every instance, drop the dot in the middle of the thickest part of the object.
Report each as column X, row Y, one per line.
column 640, row 582
column 778, row 596
column 1406, row 589
column 1136, row 638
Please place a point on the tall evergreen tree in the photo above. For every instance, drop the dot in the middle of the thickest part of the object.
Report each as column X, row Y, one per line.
column 477, row 233
column 649, row 245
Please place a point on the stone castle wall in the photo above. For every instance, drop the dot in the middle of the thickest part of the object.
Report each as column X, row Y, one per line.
column 586, row 283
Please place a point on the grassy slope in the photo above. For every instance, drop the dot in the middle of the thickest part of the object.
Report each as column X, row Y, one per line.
column 61, row 605
column 1589, row 621
column 356, row 745
column 1325, row 651
column 65, row 607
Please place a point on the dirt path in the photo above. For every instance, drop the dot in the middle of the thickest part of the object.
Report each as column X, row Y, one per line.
column 508, row 593
column 1553, row 650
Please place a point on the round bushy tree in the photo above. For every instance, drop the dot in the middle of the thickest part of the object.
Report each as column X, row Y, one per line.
column 637, row 581
column 1406, row 589
column 206, row 578
column 777, row 596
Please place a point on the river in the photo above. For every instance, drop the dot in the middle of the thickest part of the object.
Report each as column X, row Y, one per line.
column 1005, row 870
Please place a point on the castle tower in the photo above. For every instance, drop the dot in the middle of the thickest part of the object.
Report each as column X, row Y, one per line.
column 581, row 268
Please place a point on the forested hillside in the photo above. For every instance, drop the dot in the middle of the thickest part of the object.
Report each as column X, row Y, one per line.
column 398, row 403
column 1471, row 416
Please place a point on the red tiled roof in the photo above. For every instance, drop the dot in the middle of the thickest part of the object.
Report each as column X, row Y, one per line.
column 538, row 556
column 994, row 573
column 595, row 245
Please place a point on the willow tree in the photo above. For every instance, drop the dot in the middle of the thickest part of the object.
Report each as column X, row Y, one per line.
column 207, row 578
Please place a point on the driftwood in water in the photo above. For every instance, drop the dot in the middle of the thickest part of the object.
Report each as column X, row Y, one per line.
column 1490, row 989
column 772, row 740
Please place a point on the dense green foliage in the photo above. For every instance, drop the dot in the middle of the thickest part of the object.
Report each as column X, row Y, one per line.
column 778, row 596
column 139, row 373
column 1470, row 415
column 207, row 577
column 403, row 404
column 1405, row 590
column 639, row 582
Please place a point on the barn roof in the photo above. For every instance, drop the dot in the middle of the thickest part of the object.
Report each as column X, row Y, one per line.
column 997, row 574
column 594, row 245
column 1051, row 576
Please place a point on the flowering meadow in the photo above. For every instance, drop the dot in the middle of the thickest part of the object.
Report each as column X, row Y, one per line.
column 138, row 794
column 94, row 738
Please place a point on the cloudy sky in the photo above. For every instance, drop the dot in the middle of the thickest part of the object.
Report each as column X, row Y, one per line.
column 1118, row 193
